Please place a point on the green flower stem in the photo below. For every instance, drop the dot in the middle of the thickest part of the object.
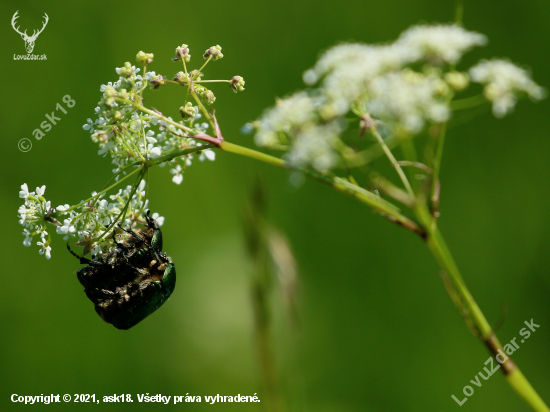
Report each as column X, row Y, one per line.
column 396, row 166
column 459, row 12
column 521, row 385
column 437, row 246
column 434, row 197
column 144, row 81
column 119, row 173
column 205, row 63
column 184, row 66
column 160, row 116
column 467, row 304
column 468, row 102
column 366, row 156
column 389, row 210
column 103, row 191
column 170, row 156
column 122, row 214
column 131, row 141
column 212, row 81
column 202, row 108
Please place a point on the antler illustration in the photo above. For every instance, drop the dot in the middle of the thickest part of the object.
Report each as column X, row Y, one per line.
column 29, row 40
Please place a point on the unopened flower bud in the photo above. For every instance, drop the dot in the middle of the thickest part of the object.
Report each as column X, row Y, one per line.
column 237, row 84
column 182, row 52
column 209, row 97
column 457, row 80
column 187, row 111
column 126, row 71
column 157, row 81
column 182, row 78
column 196, row 75
column 144, row 58
column 214, row 52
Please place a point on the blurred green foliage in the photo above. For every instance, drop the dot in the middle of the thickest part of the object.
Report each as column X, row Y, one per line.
column 378, row 331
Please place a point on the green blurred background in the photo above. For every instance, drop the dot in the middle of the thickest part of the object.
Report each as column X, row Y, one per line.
column 377, row 329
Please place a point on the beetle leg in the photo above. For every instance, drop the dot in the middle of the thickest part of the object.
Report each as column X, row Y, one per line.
column 83, row 260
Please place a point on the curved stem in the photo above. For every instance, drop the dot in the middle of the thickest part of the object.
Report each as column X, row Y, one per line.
column 103, row 191
column 202, row 108
column 386, row 208
column 468, row 102
column 170, row 156
column 122, row 214
column 459, row 12
column 437, row 246
column 393, row 161
column 468, row 306
column 434, row 196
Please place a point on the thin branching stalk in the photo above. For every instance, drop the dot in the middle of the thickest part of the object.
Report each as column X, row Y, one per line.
column 427, row 228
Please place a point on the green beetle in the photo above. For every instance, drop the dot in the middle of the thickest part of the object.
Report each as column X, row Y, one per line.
column 132, row 279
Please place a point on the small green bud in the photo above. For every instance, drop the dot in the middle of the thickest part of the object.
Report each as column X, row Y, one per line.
column 442, row 88
column 457, row 80
column 412, row 77
column 100, row 137
column 182, row 78
column 214, row 52
column 126, row 70
column 237, row 84
column 110, row 91
column 196, row 75
column 109, row 96
column 209, row 97
column 157, row 81
column 188, row 111
column 200, row 90
column 144, row 58
column 491, row 91
column 182, row 52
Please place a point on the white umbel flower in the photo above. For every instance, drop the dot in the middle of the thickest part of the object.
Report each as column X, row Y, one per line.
column 178, row 174
column 45, row 248
column 374, row 59
column 313, row 146
column 287, row 115
column 439, row 43
column 503, row 80
column 406, row 99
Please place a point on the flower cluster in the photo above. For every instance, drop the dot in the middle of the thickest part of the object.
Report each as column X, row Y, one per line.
column 88, row 222
column 128, row 132
column 33, row 215
column 135, row 137
column 503, row 82
column 406, row 85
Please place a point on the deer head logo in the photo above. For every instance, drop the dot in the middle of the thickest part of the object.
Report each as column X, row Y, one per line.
column 29, row 40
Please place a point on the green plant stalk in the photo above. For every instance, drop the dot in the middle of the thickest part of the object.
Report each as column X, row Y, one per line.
column 394, row 162
column 437, row 246
column 387, row 209
column 440, row 251
column 434, row 198
column 103, row 191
